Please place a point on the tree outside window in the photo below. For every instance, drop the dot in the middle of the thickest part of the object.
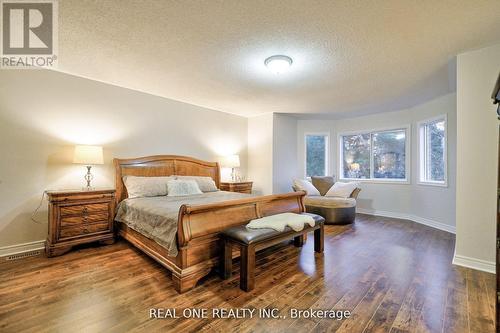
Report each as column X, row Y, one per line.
column 374, row 155
column 316, row 155
column 433, row 151
column 356, row 152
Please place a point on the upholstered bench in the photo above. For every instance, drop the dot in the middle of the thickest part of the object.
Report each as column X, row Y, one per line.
column 251, row 240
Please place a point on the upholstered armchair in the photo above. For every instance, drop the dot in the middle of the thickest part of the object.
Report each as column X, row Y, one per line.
column 335, row 210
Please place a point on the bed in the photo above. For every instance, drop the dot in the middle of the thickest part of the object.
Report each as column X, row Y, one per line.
column 198, row 224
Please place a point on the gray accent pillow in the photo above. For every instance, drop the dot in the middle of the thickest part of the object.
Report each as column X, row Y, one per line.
column 138, row 187
column 206, row 184
column 322, row 183
column 178, row 188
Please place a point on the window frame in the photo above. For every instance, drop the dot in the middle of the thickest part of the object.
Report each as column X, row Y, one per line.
column 340, row 164
column 422, row 152
column 327, row 151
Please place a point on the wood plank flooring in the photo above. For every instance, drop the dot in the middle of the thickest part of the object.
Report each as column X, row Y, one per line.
column 393, row 275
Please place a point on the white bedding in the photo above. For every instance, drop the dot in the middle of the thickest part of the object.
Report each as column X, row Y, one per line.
column 279, row 222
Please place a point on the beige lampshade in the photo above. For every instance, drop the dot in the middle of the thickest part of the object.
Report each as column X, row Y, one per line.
column 88, row 155
column 231, row 161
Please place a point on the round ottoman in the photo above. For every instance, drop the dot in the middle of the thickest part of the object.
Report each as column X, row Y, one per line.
column 335, row 210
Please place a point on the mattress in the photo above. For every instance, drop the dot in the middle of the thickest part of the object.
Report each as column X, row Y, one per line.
column 156, row 217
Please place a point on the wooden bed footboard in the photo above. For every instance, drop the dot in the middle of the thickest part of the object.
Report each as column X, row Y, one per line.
column 199, row 228
column 198, row 221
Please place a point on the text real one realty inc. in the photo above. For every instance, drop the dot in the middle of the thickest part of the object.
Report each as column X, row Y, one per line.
column 244, row 313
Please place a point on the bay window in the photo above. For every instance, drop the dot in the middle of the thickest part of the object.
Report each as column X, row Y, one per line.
column 376, row 155
column 432, row 151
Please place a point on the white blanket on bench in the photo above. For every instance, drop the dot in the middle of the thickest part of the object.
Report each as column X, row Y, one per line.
column 279, row 222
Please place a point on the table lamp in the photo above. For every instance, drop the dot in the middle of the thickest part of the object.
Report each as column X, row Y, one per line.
column 88, row 155
column 231, row 161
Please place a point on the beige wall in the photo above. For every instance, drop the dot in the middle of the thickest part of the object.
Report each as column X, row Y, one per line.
column 260, row 153
column 285, row 166
column 426, row 204
column 43, row 114
column 477, row 134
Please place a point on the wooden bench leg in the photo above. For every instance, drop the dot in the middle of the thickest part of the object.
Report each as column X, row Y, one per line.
column 298, row 241
column 247, row 272
column 226, row 260
column 319, row 239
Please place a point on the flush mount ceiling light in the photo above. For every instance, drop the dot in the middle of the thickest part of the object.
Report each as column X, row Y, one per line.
column 278, row 63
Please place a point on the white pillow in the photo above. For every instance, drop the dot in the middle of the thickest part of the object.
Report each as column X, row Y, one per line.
column 138, row 187
column 305, row 185
column 343, row 190
column 206, row 184
column 177, row 188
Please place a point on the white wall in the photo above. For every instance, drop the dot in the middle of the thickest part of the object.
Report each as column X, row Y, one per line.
column 285, row 166
column 428, row 204
column 260, row 153
column 43, row 114
column 477, row 132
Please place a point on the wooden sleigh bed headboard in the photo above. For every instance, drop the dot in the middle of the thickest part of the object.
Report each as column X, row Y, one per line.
column 161, row 165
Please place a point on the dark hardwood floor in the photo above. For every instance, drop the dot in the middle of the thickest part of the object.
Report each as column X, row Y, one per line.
column 393, row 275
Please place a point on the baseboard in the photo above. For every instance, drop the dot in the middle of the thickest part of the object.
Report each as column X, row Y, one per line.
column 480, row 265
column 434, row 224
column 21, row 248
column 411, row 217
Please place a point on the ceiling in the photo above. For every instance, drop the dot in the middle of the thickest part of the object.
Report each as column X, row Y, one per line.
column 349, row 56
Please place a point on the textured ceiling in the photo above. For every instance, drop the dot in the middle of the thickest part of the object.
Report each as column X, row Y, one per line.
column 349, row 56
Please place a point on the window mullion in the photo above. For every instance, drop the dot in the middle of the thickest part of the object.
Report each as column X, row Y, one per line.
column 340, row 162
column 421, row 161
column 372, row 173
column 327, row 154
column 429, row 154
column 424, row 153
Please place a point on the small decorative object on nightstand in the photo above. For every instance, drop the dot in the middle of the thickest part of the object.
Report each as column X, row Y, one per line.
column 77, row 217
column 242, row 187
column 88, row 156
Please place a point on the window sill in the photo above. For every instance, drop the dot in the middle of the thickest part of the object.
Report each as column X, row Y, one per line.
column 377, row 181
column 435, row 184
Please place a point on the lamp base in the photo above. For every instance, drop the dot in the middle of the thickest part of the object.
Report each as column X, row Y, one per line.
column 88, row 177
column 234, row 176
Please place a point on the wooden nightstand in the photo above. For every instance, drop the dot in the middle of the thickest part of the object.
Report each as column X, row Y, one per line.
column 77, row 217
column 242, row 187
